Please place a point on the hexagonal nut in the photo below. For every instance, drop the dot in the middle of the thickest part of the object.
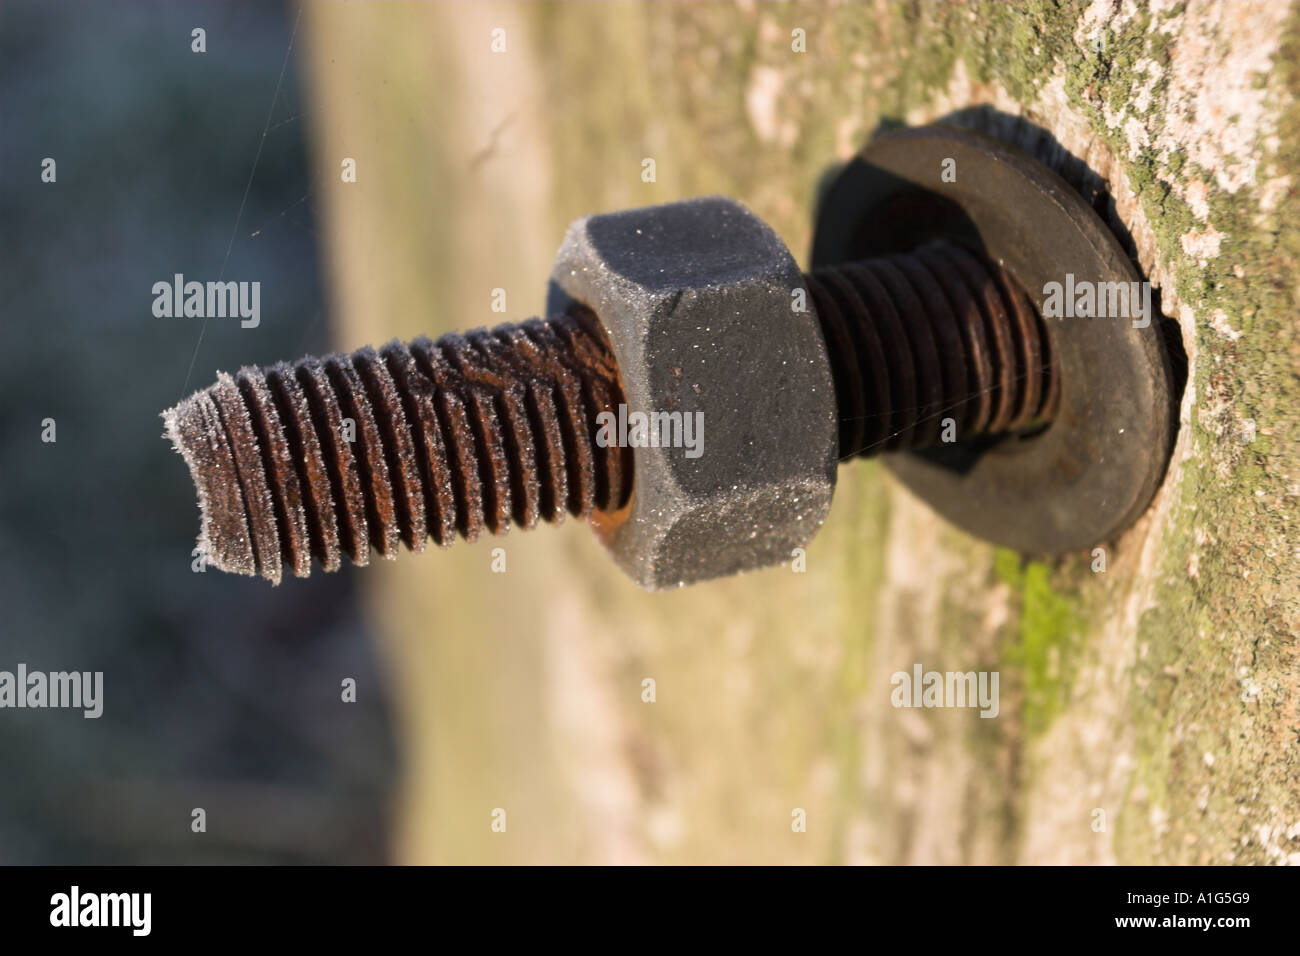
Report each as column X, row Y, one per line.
column 737, row 467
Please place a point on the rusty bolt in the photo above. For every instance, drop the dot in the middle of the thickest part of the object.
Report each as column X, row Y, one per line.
column 493, row 428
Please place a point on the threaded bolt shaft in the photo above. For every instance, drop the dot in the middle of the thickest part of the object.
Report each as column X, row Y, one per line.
column 498, row 427
column 933, row 334
column 450, row 437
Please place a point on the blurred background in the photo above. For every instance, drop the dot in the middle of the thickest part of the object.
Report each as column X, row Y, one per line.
column 1161, row 692
column 219, row 694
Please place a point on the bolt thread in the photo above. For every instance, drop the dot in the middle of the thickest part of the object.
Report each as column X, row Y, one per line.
column 938, row 333
column 471, row 432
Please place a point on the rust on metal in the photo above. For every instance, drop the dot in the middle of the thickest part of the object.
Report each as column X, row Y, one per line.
column 338, row 456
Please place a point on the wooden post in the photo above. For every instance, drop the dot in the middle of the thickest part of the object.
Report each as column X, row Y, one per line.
column 1149, row 711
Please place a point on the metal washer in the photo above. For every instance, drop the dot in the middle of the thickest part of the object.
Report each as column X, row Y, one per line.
column 1095, row 469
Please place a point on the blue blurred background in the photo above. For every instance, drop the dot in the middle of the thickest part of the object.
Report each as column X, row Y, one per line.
column 219, row 692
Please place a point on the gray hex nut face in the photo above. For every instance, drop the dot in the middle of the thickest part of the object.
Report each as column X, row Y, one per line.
column 699, row 302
